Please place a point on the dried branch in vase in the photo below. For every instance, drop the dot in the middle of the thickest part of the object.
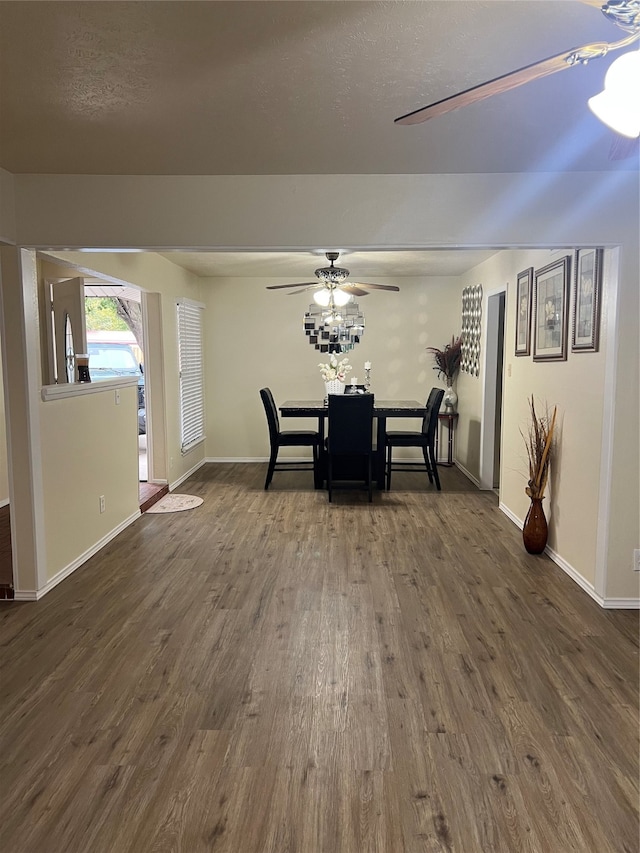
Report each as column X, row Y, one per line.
column 447, row 360
column 539, row 443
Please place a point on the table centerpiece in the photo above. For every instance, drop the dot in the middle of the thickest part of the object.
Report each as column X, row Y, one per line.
column 334, row 374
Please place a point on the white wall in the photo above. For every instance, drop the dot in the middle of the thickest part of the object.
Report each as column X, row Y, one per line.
column 7, row 235
column 623, row 418
column 22, row 382
column 255, row 339
column 307, row 211
column 89, row 448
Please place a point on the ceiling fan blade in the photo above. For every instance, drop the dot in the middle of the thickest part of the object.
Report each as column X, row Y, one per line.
column 305, row 289
column 516, row 78
column 299, row 284
column 353, row 290
column 371, row 286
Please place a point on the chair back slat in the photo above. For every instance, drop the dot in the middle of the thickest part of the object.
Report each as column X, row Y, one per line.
column 433, row 410
column 271, row 412
column 434, row 399
column 350, row 423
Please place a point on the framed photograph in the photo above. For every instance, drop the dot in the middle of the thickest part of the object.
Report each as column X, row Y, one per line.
column 551, row 312
column 524, row 294
column 586, row 301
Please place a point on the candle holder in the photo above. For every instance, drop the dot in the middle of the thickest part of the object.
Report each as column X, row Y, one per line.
column 367, row 378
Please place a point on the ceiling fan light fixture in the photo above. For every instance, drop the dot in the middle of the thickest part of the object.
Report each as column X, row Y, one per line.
column 340, row 298
column 328, row 295
column 618, row 105
column 322, row 297
column 332, row 275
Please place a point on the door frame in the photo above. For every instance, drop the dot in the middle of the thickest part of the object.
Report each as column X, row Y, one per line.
column 151, row 303
column 490, row 383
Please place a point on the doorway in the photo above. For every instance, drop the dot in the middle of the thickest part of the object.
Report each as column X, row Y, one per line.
column 152, row 466
column 116, row 345
column 491, row 430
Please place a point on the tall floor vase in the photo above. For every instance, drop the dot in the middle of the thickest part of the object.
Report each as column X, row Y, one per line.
column 535, row 530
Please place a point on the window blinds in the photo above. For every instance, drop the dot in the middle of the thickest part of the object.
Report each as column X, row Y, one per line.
column 190, row 364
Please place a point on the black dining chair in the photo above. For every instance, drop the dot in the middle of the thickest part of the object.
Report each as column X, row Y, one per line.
column 289, row 438
column 425, row 439
column 350, row 437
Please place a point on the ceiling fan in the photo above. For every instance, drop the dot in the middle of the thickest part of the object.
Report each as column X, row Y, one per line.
column 623, row 13
column 333, row 280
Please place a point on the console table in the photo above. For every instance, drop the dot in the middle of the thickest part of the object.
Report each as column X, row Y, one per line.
column 450, row 420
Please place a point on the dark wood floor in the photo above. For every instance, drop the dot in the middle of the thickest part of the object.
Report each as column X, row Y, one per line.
column 269, row 673
column 149, row 493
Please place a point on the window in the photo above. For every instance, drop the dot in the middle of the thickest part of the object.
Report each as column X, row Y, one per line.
column 114, row 356
column 190, row 365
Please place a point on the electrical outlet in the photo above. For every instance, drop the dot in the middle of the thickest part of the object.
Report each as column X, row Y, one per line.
column 636, row 560
column 117, row 396
column 102, row 503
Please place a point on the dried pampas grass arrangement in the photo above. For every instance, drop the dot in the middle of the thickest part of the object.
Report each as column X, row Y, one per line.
column 539, row 444
column 447, row 360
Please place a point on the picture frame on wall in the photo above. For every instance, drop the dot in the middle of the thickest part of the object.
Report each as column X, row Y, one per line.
column 587, row 294
column 524, row 295
column 551, row 311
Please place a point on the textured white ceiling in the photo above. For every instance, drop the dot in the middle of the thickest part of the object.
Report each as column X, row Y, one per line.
column 296, row 87
column 301, row 265
column 293, row 87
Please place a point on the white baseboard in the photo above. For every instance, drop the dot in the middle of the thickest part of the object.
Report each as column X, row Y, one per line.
column 264, row 459
column 36, row 594
column 606, row 603
column 180, row 480
column 237, row 459
column 466, row 473
column 621, row 603
column 4, row 503
column 505, row 509
column 574, row 575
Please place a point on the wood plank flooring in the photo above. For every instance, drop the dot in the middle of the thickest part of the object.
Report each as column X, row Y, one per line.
column 269, row 673
column 149, row 493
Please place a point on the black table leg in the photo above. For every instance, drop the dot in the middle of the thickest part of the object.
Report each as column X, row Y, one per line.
column 323, row 454
column 379, row 457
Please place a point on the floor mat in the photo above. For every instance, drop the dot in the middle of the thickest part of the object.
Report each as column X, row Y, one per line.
column 175, row 503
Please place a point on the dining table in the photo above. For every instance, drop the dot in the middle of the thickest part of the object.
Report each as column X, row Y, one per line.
column 382, row 409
